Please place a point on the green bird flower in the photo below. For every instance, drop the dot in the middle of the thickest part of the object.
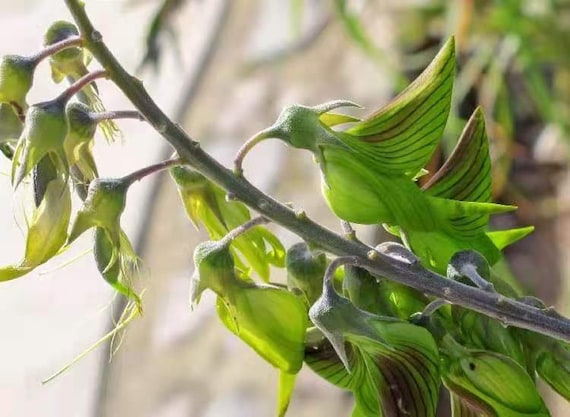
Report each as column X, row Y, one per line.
column 10, row 129
column 71, row 64
column 78, row 146
column 550, row 357
column 488, row 384
column 44, row 134
column 390, row 365
column 479, row 331
column 114, row 255
column 16, row 79
column 379, row 295
column 271, row 320
column 369, row 170
column 553, row 366
column 305, row 271
column 206, row 203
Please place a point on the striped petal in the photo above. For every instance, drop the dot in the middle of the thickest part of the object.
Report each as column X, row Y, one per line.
column 402, row 136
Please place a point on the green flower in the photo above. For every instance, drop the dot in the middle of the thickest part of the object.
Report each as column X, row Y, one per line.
column 16, row 79
column 71, row 64
column 381, row 296
column 44, row 133
column 47, row 231
column 78, row 146
column 10, row 129
column 479, row 331
column 553, row 366
column 391, row 366
column 305, row 271
column 488, row 384
column 117, row 264
column 271, row 320
column 206, row 203
column 369, row 170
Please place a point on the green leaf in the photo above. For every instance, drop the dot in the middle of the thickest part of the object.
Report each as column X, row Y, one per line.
column 356, row 31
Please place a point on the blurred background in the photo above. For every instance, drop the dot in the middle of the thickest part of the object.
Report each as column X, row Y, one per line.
column 224, row 69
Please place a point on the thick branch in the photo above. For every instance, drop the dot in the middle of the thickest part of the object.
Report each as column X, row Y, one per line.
column 491, row 304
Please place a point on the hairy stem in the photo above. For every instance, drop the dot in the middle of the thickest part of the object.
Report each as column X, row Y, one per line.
column 240, row 230
column 78, row 85
column 494, row 305
column 117, row 114
column 151, row 169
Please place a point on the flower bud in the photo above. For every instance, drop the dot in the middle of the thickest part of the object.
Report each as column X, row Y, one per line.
column 102, row 208
column 215, row 270
column 71, row 63
column 305, row 271
column 489, row 383
column 16, row 79
column 270, row 319
column 44, row 133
